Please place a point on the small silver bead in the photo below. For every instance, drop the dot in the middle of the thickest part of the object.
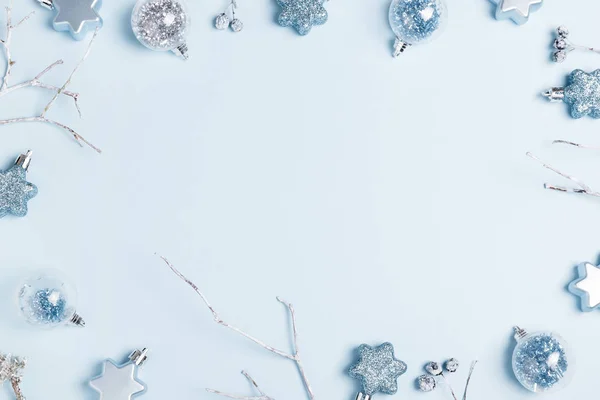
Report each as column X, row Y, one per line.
column 559, row 56
column 433, row 368
column 560, row 44
column 426, row 383
column 562, row 31
column 237, row 25
column 222, row 21
column 451, row 365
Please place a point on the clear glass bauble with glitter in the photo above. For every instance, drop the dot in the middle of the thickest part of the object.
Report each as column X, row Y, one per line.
column 48, row 299
column 542, row 361
column 416, row 21
column 162, row 25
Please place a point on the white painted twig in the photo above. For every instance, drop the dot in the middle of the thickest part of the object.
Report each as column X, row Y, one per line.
column 263, row 395
column 6, row 88
column 294, row 356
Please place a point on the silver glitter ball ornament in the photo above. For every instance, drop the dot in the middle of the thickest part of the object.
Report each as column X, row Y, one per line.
column 237, row 25
column 562, row 31
column 560, row 44
column 222, row 21
column 559, row 56
column 161, row 25
column 426, row 383
column 433, row 368
column 451, row 365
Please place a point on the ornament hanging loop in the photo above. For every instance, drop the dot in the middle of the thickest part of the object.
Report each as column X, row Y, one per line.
column 49, row 4
column 24, row 160
column 362, row 396
column 139, row 357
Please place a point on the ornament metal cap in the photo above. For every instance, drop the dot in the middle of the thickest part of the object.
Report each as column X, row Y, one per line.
column 555, row 94
column 181, row 51
column 399, row 47
column 24, row 160
column 520, row 333
column 139, row 357
column 49, row 4
column 77, row 320
column 362, row 396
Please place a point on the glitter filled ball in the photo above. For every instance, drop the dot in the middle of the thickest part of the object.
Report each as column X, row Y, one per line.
column 433, row 368
column 562, row 31
column 222, row 21
column 426, row 383
column 451, row 365
column 237, row 25
column 541, row 361
column 47, row 300
column 160, row 24
column 417, row 21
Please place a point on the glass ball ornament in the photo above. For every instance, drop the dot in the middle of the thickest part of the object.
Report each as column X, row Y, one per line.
column 162, row 25
column 416, row 22
column 47, row 299
column 542, row 361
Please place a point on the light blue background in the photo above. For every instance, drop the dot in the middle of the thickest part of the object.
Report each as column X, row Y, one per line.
column 389, row 200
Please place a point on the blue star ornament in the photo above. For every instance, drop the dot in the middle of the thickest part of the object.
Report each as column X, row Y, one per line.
column 77, row 16
column 15, row 191
column 120, row 381
column 377, row 369
column 516, row 10
column 582, row 93
column 302, row 14
column 587, row 286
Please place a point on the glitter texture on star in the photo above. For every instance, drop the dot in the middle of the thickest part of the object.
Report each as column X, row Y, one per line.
column 15, row 192
column 378, row 369
column 302, row 14
column 582, row 93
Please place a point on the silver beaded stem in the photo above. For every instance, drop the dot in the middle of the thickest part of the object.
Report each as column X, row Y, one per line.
column 564, row 46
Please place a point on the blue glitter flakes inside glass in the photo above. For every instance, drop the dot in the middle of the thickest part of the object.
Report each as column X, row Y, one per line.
column 541, row 361
column 302, row 14
column 377, row 369
column 417, row 21
column 49, row 306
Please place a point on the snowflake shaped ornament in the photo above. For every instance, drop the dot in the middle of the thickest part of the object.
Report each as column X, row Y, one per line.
column 587, row 286
column 377, row 369
column 78, row 17
column 516, row 10
column 302, row 14
column 582, row 93
column 15, row 191
column 120, row 381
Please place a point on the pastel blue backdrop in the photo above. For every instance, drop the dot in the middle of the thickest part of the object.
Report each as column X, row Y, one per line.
column 389, row 200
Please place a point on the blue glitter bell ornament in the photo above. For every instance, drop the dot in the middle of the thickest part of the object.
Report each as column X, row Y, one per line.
column 416, row 22
column 47, row 299
column 542, row 361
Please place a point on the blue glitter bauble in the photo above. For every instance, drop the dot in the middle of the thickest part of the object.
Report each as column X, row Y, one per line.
column 417, row 21
column 47, row 300
column 541, row 361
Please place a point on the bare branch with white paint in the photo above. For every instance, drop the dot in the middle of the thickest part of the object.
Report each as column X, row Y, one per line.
column 294, row 356
column 6, row 88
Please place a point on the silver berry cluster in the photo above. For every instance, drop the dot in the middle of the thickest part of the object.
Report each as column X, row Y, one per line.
column 561, row 44
column 428, row 382
column 228, row 19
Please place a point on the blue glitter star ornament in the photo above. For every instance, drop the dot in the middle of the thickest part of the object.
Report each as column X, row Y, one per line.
column 516, row 10
column 120, row 381
column 587, row 286
column 15, row 191
column 416, row 22
column 582, row 93
column 302, row 14
column 78, row 17
column 541, row 361
column 377, row 369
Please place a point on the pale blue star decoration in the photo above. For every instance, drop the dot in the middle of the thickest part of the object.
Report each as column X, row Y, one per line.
column 78, row 17
column 377, row 369
column 302, row 14
column 15, row 191
column 516, row 10
column 582, row 93
column 587, row 286
column 120, row 381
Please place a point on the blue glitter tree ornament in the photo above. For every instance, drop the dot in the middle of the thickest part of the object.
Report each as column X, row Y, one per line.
column 302, row 14
column 587, row 286
column 582, row 93
column 48, row 301
column 15, row 191
column 377, row 369
column 516, row 10
column 416, row 22
column 541, row 361
column 78, row 17
column 120, row 381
